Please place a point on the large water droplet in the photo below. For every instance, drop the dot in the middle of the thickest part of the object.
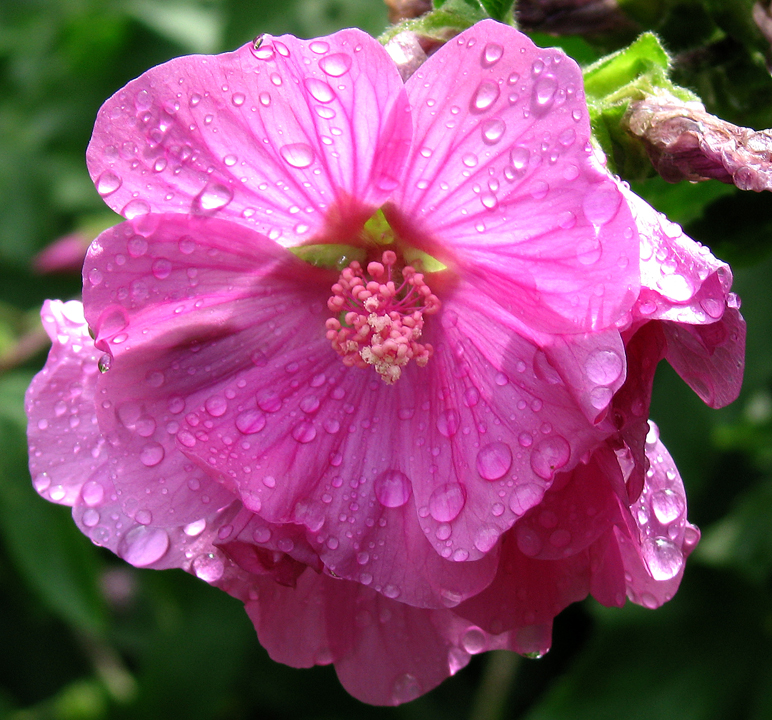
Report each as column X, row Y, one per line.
column 208, row 567
column 392, row 488
column 319, row 90
column 93, row 493
column 448, row 422
column 447, row 501
column 486, row 537
column 250, row 421
column 663, row 558
column 108, row 182
column 494, row 461
column 549, row 456
column 336, row 64
column 143, row 546
column 544, row 92
column 151, row 454
column 675, row 287
column 492, row 54
column 601, row 203
column 406, row 688
column 304, row 432
column 299, row 155
column 603, row 367
column 520, row 156
column 486, row 94
column 667, row 506
column 135, row 208
column 213, row 197
column 492, row 130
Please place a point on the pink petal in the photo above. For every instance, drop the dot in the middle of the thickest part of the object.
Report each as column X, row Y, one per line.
column 500, row 183
column 295, row 138
column 710, row 358
column 65, row 446
column 161, row 305
column 680, row 279
column 658, row 538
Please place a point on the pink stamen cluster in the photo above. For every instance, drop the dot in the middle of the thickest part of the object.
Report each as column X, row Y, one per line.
column 382, row 321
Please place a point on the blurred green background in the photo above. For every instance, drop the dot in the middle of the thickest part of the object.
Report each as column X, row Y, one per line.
column 83, row 636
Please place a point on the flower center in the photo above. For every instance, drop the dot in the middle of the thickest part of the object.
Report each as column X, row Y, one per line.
column 381, row 313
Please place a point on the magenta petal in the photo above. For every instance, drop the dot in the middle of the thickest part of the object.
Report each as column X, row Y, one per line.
column 186, row 313
column 282, row 136
column 710, row 358
column 501, row 183
column 65, row 446
column 658, row 538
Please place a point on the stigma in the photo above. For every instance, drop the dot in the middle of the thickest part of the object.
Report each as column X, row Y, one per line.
column 380, row 316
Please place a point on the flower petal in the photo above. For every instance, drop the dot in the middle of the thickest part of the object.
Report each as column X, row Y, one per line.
column 500, row 183
column 293, row 137
column 710, row 358
column 66, row 448
column 657, row 539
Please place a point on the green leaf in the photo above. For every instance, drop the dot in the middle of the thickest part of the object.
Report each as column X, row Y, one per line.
column 451, row 15
column 611, row 84
column 49, row 551
column 500, row 10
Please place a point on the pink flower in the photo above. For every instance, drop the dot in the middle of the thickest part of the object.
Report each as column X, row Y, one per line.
column 392, row 469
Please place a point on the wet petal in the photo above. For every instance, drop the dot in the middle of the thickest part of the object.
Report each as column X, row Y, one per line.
column 710, row 358
column 500, row 183
column 65, row 446
column 296, row 138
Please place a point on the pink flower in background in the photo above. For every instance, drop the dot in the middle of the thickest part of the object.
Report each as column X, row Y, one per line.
column 427, row 453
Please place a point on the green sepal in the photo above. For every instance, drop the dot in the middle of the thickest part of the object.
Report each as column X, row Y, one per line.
column 329, row 255
column 611, row 84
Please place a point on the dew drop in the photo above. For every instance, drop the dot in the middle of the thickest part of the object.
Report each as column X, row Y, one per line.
column 135, row 208
column 447, row 501
column 93, row 493
column 264, row 98
column 250, row 422
column 216, row 406
column 107, row 183
column 304, row 432
column 601, row 204
column 144, row 517
column 90, row 517
column 486, row 537
column 494, row 461
column 195, row 528
column 208, row 567
column 492, row 130
column 474, row 641
column 238, row 99
column 448, row 422
column 336, row 64
column 319, row 47
column 492, row 54
column 667, row 506
column 406, row 688
column 143, row 546
column 161, row 269
column 520, row 156
column 213, row 197
column 299, row 155
column 663, row 558
column 603, row 367
column 550, row 455
column 319, row 90
column 675, row 287
column 392, row 488
column 544, row 92
column 486, row 94
column 151, row 454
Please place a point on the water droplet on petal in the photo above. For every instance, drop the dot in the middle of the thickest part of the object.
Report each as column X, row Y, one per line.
column 208, row 567
column 474, row 641
column 250, row 421
column 675, row 287
column 161, row 269
column 406, row 688
column 549, row 456
column 93, row 493
column 486, row 94
column 319, row 90
column 336, row 64
column 213, row 197
column 143, row 546
column 520, row 156
column 195, row 528
column 151, row 454
column 601, row 203
column 448, row 422
column 492, row 54
column 135, row 208
column 492, row 130
column 544, row 92
column 304, row 432
column 144, row 517
column 447, row 501
column 494, row 461
column 486, row 537
column 90, row 517
column 663, row 558
column 667, row 505
column 319, row 47
column 108, row 182
column 603, row 367
column 392, row 488
column 299, row 155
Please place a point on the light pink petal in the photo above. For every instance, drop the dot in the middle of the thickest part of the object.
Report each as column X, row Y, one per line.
column 710, row 358
column 574, row 513
column 65, row 446
column 500, row 183
column 299, row 139
column 658, row 538
column 159, row 305
column 680, row 279
column 592, row 365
